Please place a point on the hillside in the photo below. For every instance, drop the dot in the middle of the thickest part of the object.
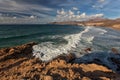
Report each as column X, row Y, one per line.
column 115, row 24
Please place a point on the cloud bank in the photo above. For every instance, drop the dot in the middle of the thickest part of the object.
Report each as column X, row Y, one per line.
column 70, row 15
column 45, row 10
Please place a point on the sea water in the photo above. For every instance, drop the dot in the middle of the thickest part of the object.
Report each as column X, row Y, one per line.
column 54, row 40
column 12, row 35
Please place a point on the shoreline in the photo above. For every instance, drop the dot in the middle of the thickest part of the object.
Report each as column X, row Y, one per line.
column 19, row 63
column 114, row 24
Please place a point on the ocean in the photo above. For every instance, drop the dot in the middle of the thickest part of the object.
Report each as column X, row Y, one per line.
column 54, row 40
column 12, row 35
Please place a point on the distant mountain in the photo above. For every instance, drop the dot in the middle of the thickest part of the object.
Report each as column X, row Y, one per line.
column 103, row 22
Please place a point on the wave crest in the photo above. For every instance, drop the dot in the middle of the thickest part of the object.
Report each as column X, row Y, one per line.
column 47, row 51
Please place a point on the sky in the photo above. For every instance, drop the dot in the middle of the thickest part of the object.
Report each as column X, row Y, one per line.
column 45, row 11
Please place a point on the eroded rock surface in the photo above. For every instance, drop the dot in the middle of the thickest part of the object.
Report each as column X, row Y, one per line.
column 17, row 63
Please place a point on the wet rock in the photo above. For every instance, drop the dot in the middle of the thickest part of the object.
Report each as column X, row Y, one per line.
column 116, row 61
column 114, row 50
column 88, row 50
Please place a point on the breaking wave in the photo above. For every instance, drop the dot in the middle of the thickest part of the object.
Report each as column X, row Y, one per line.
column 91, row 37
column 47, row 51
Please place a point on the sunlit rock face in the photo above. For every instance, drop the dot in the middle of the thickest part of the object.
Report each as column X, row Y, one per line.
column 19, row 63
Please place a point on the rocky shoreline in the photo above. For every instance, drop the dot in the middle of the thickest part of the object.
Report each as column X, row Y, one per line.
column 18, row 63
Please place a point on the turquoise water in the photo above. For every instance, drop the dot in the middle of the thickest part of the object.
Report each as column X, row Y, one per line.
column 12, row 35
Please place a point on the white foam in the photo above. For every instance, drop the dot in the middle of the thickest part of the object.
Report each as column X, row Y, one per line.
column 90, row 39
column 92, row 33
column 47, row 51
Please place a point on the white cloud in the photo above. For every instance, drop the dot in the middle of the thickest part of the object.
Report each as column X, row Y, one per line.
column 62, row 12
column 101, row 1
column 97, row 6
column 32, row 17
column 70, row 15
column 74, row 8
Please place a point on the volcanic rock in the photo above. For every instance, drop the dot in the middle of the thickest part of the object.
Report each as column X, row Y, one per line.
column 18, row 63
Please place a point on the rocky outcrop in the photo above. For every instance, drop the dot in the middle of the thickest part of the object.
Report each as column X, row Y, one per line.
column 17, row 63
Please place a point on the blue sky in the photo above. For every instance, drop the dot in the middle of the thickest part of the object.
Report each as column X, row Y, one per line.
column 43, row 11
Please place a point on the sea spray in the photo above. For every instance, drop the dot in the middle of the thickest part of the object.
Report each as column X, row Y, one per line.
column 95, row 38
column 47, row 51
column 87, row 41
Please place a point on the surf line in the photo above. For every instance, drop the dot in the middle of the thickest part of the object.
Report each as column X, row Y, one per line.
column 47, row 51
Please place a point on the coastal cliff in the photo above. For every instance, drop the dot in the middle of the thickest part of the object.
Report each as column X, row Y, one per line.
column 115, row 24
column 18, row 63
